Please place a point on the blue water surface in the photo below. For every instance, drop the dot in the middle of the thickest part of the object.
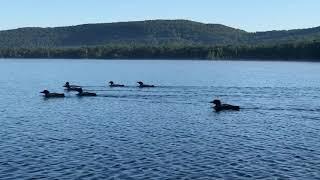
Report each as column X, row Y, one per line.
column 167, row 132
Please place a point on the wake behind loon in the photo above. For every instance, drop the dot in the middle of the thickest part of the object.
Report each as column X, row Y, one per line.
column 220, row 107
column 112, row 84
column 142, row 85
column 82, row 93
column 47, row 94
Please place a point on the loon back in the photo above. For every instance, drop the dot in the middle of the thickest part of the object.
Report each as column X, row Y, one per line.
column 145, row 85
column 220, row 107
column 81, row 93
column 71, row 88
column 54, row 95
column 142, row 85
column 112, row 84
column 47, row 94
column 116, row 85
column 226, row 107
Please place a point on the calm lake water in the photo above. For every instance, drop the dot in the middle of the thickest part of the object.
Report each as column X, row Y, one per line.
column 167, row 132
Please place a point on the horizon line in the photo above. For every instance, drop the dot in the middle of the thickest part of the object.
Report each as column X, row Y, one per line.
column 124, row 21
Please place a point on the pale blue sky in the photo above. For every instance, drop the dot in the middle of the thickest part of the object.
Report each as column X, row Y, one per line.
column 249, row 15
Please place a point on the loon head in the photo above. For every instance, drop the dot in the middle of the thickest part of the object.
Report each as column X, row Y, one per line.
column 67, row 84
column 216, row 102
column 111, row 82
column 45, row 92
column 140, row 83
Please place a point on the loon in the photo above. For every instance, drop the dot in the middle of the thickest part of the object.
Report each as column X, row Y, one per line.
column 220, row 107
column 47, row 94
column 141, row 85
column 111, row 84
column 71, row 87
column 81, row 93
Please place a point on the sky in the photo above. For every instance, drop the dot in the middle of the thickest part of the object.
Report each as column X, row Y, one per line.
column 249, row 15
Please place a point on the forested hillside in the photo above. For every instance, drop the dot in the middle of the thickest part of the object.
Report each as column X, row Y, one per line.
column 156, row 32
column 159, row 39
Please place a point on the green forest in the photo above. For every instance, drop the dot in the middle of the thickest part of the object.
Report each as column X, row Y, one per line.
column 298, row 51
column 159, row 39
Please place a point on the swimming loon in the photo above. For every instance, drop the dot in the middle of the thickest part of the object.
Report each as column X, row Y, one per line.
column 111, row 84
column 220, row 107
column 141, row 85
column 81, row 93
column 47, row 94
column 71, row 87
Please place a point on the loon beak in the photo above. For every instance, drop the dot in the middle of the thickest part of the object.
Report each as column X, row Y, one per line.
column 42, row 92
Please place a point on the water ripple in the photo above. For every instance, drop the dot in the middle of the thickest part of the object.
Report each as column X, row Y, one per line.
column 168, row 132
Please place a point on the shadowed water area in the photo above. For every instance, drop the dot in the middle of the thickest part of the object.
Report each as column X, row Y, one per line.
column 167, row 132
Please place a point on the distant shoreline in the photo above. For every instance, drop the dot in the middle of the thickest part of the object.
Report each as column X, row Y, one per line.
column 149, row 59
column 307, row 51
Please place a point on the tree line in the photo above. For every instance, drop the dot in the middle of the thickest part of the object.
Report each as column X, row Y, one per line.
column 289, row 51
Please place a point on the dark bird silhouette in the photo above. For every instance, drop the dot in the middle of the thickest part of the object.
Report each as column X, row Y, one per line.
column 71, row 87
column 82, row 93
column 112, row 84
column 220, row 107
column 47, row 94
column 141, row 85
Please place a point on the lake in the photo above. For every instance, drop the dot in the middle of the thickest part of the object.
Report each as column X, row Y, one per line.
column 167, row 132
